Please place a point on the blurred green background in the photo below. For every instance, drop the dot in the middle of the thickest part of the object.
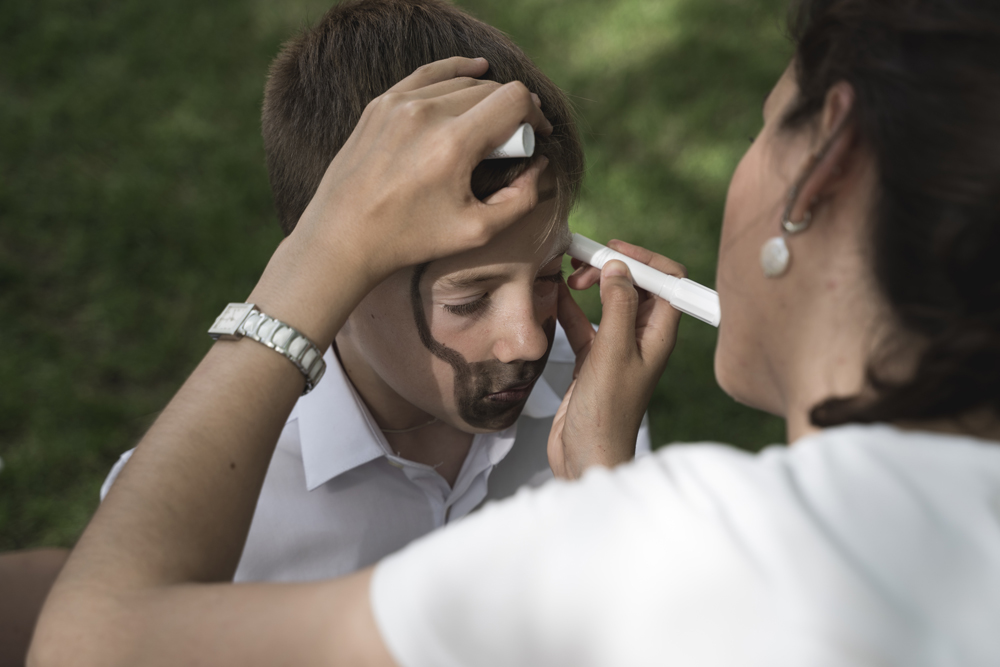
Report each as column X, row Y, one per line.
column 134, row 201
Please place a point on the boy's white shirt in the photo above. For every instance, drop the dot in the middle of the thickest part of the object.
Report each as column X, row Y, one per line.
column 336, row 498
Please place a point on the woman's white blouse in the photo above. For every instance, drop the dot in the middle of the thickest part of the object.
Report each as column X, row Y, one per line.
column 862, row 545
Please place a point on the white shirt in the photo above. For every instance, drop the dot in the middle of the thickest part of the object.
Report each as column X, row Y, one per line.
column 862, row 545
column 336, row 498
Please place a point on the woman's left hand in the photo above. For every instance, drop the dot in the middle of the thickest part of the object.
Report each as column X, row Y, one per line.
column 617, row 367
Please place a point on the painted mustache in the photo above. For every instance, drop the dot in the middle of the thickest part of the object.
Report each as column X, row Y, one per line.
column 491, row 394
column 488, row 394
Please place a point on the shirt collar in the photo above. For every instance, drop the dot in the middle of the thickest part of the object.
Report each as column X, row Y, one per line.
column 336, row 431
column 334, row 407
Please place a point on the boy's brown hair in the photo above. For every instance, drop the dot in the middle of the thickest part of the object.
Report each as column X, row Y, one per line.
column 323, row 79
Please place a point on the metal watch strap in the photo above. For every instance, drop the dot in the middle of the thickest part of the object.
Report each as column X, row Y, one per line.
column 243, row 319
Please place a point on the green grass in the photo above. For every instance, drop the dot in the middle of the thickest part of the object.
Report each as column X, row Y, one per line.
column 134, row 200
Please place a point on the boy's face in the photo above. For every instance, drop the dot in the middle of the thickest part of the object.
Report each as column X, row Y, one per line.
column 465, row 338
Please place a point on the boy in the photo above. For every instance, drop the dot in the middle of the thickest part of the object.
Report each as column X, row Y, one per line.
column 447, row 375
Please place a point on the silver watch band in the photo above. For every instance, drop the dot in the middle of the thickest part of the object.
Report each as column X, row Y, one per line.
column 243, row 319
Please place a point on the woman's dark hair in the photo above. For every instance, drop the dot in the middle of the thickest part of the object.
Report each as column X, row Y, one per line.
column 323, row 78
column 926, row 76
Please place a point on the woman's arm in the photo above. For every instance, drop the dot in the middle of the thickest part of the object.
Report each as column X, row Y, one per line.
column 140, row 587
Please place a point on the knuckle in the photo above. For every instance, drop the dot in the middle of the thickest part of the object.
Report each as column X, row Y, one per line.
column 478, row 232
column 414, row 109
column 389, row 99
column 520, row 90
column 367, row 112
column 517, row 93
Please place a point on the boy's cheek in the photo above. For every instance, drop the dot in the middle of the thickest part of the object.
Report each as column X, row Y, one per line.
column 473, row 342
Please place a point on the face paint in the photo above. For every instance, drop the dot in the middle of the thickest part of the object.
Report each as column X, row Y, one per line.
column 480, row 386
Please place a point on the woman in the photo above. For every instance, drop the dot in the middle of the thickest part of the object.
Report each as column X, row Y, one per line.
column 859, row 297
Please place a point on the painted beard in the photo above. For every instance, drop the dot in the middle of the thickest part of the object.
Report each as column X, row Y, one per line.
column 488, row 394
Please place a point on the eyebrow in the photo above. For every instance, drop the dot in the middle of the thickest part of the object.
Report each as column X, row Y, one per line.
column 469, row 280
column 474, row 278
column 562, row 245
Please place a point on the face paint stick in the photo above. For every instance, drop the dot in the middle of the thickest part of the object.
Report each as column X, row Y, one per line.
column 685, row 295
column 520, row 144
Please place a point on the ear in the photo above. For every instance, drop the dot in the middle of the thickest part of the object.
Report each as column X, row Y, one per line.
column 826, row 164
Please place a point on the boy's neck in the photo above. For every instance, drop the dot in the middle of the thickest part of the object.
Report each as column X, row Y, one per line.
column 437, row 444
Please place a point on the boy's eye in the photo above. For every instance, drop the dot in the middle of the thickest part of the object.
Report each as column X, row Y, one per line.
column 545, row 286
column 476, row 306
column 470, row 308
column 554, row 278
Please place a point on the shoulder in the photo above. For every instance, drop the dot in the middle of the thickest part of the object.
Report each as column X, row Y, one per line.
column 710, row 545
column 644, row 542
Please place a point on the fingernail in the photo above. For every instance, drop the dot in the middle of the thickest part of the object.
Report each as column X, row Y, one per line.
column 537, row 100
column 615, row 268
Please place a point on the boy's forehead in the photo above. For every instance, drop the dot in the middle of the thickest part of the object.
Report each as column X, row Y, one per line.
column 527, row 242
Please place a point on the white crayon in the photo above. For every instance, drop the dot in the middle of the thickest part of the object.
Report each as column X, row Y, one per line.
column 685, row 295
column 520, row 144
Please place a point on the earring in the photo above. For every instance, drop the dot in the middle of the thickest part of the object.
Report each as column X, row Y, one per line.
column 774, row 255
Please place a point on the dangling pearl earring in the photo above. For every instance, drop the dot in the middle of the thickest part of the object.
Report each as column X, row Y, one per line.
column 774, row 255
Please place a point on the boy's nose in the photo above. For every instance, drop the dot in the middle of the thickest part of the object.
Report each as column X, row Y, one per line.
column 522, row 339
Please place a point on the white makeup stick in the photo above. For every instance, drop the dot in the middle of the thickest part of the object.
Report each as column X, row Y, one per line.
column 685, row 295
column 520, row 144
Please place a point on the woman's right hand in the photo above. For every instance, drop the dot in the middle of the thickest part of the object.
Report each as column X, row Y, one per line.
column 617, row 367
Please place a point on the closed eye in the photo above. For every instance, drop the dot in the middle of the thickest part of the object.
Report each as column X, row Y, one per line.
column 545, row 286
column 553, row 278
column 478, row 305
column 470, row 308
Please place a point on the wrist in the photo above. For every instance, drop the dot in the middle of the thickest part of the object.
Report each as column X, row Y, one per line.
column 311, row 288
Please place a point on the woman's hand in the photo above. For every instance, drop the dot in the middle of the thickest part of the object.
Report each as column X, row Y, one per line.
column 616, row 368
column 400, row 186
column 398, row 193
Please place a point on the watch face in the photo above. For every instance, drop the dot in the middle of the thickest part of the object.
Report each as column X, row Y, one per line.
column 231, row 318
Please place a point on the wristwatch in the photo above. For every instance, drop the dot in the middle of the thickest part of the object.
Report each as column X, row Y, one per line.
column 243, row 319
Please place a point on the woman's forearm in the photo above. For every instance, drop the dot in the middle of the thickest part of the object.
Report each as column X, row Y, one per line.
column 138, row 587
column 199, row 469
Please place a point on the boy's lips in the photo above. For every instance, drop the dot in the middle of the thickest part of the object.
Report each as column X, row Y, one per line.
column 514, row 393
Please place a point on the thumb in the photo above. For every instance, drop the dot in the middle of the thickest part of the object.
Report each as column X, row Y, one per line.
column 517, row 200
column 619, row 305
